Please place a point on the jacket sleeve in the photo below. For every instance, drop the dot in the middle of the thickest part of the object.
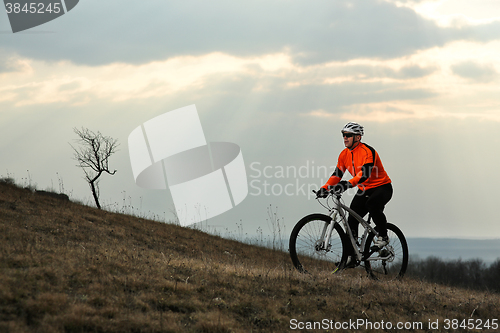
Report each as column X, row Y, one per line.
column 334, row 178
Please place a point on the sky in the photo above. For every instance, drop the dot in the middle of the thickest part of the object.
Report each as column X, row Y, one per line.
column 279, row 78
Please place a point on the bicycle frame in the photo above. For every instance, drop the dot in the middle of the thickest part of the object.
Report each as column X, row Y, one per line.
column 339, row 207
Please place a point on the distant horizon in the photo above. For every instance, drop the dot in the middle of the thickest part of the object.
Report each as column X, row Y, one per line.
column 458, row 238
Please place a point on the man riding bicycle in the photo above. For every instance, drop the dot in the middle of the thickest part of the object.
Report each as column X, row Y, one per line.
column 374, row 185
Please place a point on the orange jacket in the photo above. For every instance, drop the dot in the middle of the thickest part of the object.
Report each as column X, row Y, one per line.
column 364, row 164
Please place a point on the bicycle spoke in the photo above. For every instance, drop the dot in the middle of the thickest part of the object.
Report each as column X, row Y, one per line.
column 393, row 257
column 307, row 250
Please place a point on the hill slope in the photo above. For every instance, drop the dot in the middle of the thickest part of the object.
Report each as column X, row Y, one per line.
column 65, row 267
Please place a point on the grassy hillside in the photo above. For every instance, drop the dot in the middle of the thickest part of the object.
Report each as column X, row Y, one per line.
column 65, row 267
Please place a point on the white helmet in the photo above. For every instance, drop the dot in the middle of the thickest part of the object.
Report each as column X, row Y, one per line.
column 353, row 128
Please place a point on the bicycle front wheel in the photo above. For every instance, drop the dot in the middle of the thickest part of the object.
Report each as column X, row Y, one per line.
column 307, row 249
column 390, row 262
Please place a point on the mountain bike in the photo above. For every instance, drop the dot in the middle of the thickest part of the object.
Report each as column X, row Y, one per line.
column 318, row 243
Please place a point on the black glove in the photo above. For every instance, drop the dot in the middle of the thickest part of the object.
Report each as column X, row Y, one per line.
column 342, row 186
column 322, row 193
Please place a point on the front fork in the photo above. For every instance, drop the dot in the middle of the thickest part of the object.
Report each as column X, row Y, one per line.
column 327, row 233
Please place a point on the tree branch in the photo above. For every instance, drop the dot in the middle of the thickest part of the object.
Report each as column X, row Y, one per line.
column 93, row 156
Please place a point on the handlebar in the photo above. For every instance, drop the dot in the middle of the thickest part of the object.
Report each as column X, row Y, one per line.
column 330, row 192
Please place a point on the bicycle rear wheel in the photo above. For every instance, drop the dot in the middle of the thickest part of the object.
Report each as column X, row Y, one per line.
column 306, row 245
column 395, row 256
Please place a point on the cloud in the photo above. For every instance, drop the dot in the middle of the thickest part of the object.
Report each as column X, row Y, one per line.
column 272, row 83
column 270, row 86
column 11, row 64
column 455, row 13
column 104, row 32
column 415, row 71
column 472, row 70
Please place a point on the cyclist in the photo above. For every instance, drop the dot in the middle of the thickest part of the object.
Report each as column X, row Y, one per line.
column 374, row 185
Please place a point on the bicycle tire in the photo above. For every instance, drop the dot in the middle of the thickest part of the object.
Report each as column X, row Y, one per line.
column 394, row 268
column 303, row 246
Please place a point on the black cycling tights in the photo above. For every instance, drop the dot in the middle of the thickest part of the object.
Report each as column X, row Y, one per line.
column 371, row 201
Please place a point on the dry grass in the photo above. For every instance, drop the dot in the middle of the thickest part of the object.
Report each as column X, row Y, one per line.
column 65, row 267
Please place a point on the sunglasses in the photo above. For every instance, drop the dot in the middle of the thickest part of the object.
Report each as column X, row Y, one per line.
column 347, row 135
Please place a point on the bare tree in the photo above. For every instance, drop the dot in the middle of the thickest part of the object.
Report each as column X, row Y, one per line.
column 93, row 157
